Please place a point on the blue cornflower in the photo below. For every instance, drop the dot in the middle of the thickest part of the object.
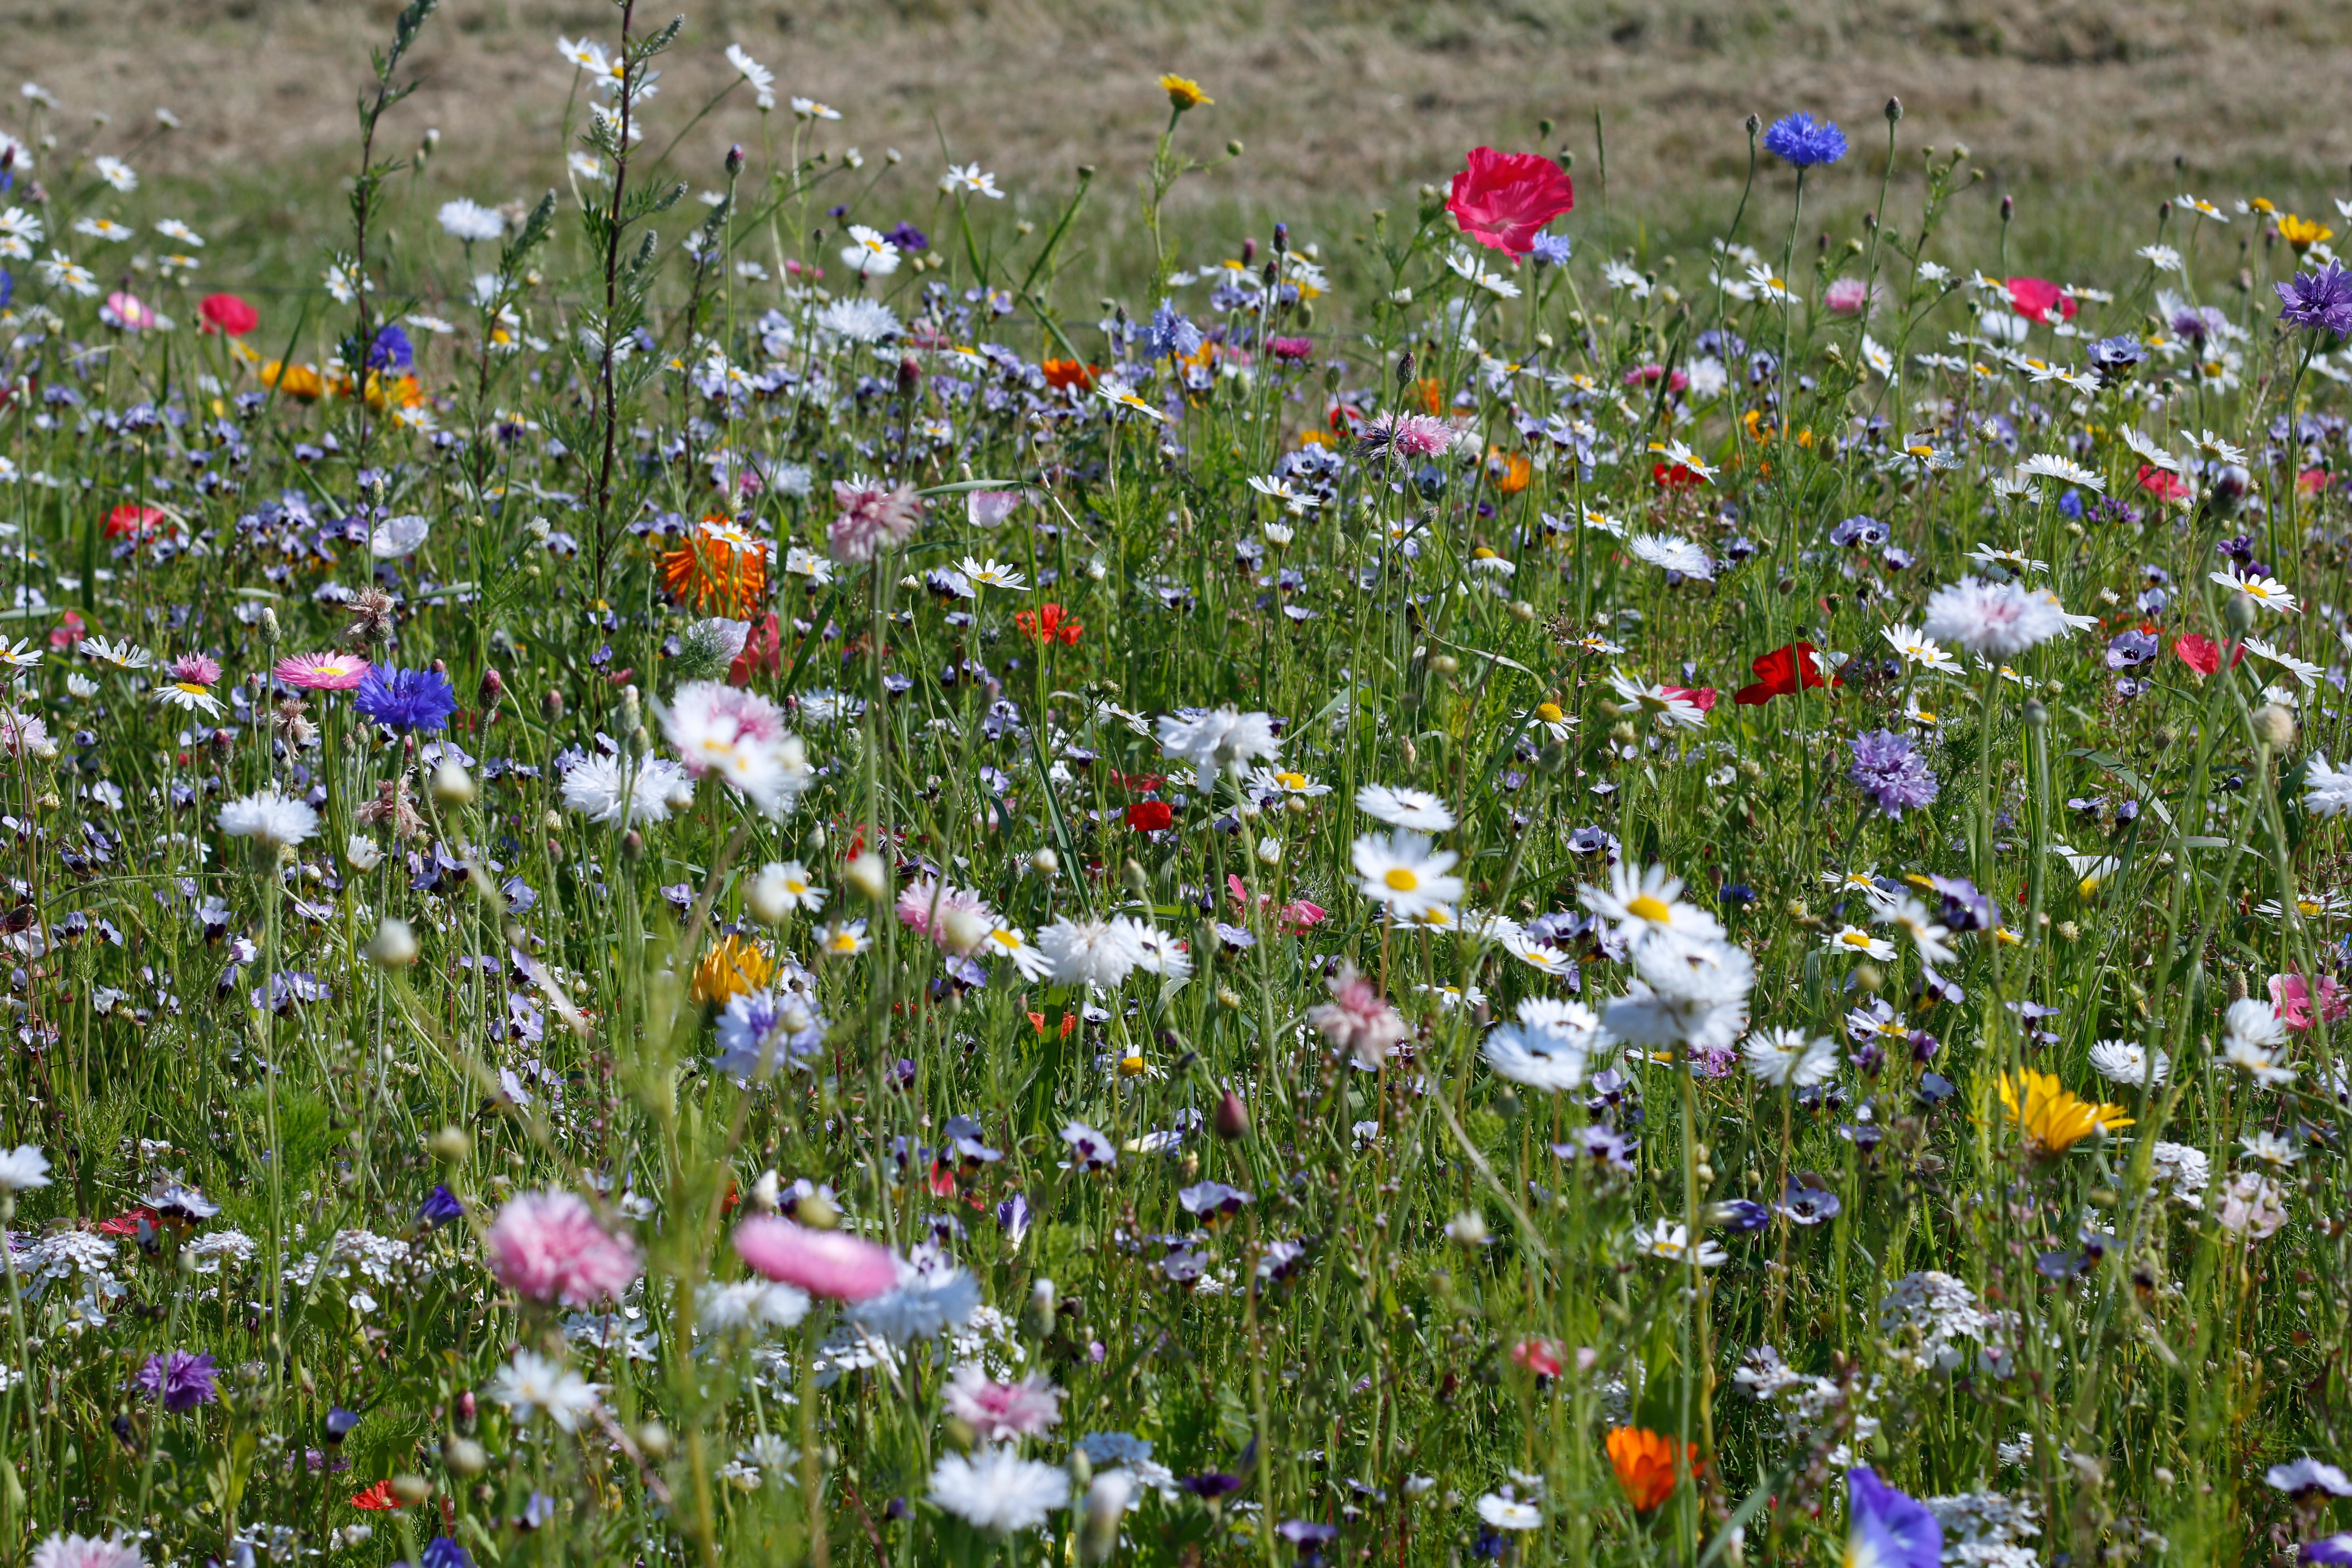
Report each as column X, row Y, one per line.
column 1890, row 773
column 8, row 287
column 2116, row 357
column 2131, row 647
column 419, row 699
column 391, row 350
column 1801, row 140
column 1169, row 334
column 2318, row 302
column 908, row 239
column 1552, row 249
column 1885, row 1528
column 443, row 1552
column 439, row 1207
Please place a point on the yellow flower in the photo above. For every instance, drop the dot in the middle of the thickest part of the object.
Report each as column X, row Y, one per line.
column 2303, row 233
column 1184, row 92
column 2053, row 1119
column 730, row 969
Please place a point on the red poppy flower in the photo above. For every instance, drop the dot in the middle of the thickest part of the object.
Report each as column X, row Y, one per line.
column 2203, row 655
column 377, row 1498
column 1778, row 673
column 1049, row 623
column 66, row 633
column 2163, row 485
column 127, row 1223
column 2035, row 298
column 1674, row 476
column 227, row 314
column 131, row 520
column 760, row 653
column 1504, row 199
column 1150, row 816
column 1539, row 1356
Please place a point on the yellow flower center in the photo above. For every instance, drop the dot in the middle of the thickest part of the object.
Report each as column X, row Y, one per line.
column 1649, row 909
column 1131, row 1066
column 192, row 688
column 1549, row 713
column 1291, row 781
column 1401, row 879
column 1854, row 938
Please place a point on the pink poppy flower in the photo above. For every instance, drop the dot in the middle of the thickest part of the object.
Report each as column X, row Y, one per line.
column 1504, row 199
column 821, row 1262
column 2291, row 999
column 1699, row 697
column 322, row 671
column 549, row 1247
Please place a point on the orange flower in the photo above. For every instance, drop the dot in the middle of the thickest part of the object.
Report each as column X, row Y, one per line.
column 1433, row 394
column 730, row 969
column 1061, row 374
column 1644, row 1462
column 1509, row 471
column 376, row 1499
column 300, row 381
column 1049, row 624
column 718, row 563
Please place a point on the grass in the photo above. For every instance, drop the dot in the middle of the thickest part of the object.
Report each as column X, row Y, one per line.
column 314, row 989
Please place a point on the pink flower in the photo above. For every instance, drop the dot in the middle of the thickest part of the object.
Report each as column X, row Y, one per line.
column 1847, row 297
column 20, row 734
column 1410, row 434
column 1699, row 697
column 874, row 517
column 821, row 1262
column 322, row 671
column 1502, row 200
column 1358, row 1019
column 549, row 1247
column 1293, row 917
column 2253, row 1205
column 1291, row 348
column 86, row 1551
column 956, row 918
column 1001, row 1411
column 128, row 311
column 989, row 509
column 2035, row 298
column 195, row 669
column 2291, row 1000
column 2163, row 485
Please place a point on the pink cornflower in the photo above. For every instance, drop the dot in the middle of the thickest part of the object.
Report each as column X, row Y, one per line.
column 196, row 669
column 821, row 1262
column 87, row 1551
column 322, row 671
column 874, row 517
column 1001, row 1411
column 1409, row 434
column 1847, row 297
column 21, row 734
column 549, row 1245
column 1358, row 1019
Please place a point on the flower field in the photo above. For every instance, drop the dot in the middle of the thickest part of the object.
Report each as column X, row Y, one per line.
column 756, row 888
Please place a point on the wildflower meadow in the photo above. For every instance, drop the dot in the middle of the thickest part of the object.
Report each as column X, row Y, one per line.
column 702, row 869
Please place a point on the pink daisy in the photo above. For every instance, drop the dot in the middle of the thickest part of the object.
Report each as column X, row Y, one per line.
column 821, row 1262
column 196, row 669
column 322, row 671
column 1411, row 435
column 549, row 1247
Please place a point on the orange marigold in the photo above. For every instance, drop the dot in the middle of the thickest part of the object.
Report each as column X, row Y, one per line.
column 720, row 565
column 1509, row 471
column 1645, row 1465
column 1061, row 374
column 299, row 381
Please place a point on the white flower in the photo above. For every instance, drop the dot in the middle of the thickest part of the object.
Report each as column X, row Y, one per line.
column 1855, row 942
column 741, row 737
column 1917, row 647
column 362, row 854
column 1509, row 1513
column 970, row 180
column 1788, row 1058
column 2268, row 592
column 1912, row 915
column 62, row 1551
column 277, row 820
column 926, row 1301
column 1217, row 739
column 23, row 1168
column 2183, row 1167
column 2326, row 789
column 1029, row 960
column 868, row 254
column 1670, row 553
column 1089, row 951
column 1401, row 808
column 1406, row 873
column 115, row 173
column 1685, row 992
column 1670, row 1239
column 2133, row 1066
column 532, row 1382
column 2050, row 466
column 1156, row 952
column 1671, row 706
column 615, row 790
column 781, row 886
column 758, row 1304
column 1548, row 1047
column 810, row 109
column 859, row 320
column 997, row 1490
column 991, row 574
column 1995, row 619
column 468, row 220
column 1640, row 902
column 763, row 80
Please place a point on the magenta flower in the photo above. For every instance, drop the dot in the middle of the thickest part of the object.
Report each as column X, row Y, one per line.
column 195, row 669
column 1408, row 435
column 322, row 671
column 549, row 1247
column 821, row 1262
column 1001, row 1411
column 181, row 1381
column 1357, row 1020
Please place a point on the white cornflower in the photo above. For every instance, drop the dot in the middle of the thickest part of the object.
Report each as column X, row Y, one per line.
column 997, row 1490
column 275, row 820
column 1789, row 1057
column 532, row 1382
column 1994, row 619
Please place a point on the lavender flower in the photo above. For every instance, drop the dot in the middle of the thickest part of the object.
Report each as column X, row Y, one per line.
column 2131, row 648
column 1893, row 775
column 1169, row 334
column 2318, row 302
column 1802, row 141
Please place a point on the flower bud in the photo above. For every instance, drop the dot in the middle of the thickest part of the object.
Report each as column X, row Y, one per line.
column 2273, row 727
column 395, row 945
column 270, row 631
column 869, row 877
column 817, row 1212
column 1894, row 110
column 1106, row 1501
column 452, row 1145
column 1232, row 1120
column 1044, row 862
column 493, row 687
column 2239, row 613
column 411, row 1489
column 464, row 1456
column 654, row 1439
column 734, row 160
column 452, row 785
column 362, row 853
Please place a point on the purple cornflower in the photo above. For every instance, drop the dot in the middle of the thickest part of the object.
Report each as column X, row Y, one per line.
column 1886, row 1527
column 2116, row 357
column 2131, row 648
column 2318, row 302
column 183, row 1381
column 908, row 239
column 1552, row 249
column 1890, row 773
column 1169, row 334
column 1801, row 140
column 443, row 1552
column 1964, row 907
column 439, row 1207
column 1861, row 529
column 391, row 350
column 407, row 698
column 1807, row 1205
